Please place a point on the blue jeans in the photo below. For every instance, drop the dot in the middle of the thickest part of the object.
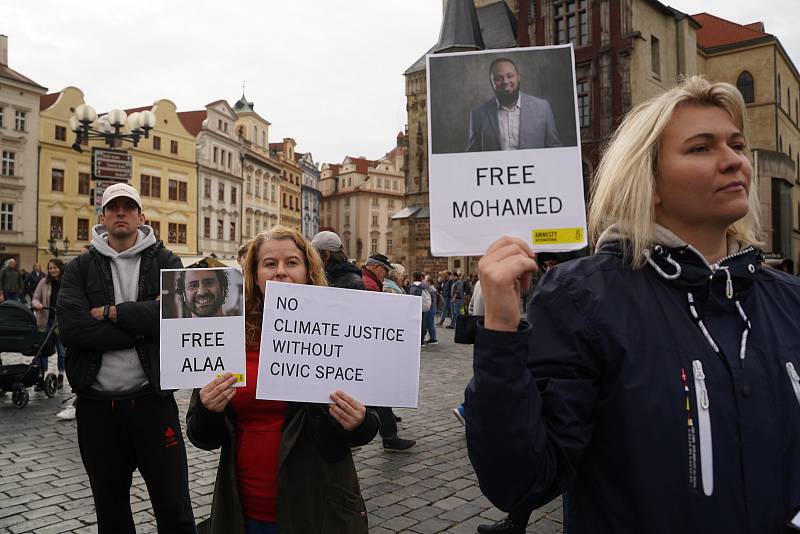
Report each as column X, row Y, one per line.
column 41, row 361
column 251, row 526
column 456, row 311
column 445, row 311
column 60, row 352
column 429, row 325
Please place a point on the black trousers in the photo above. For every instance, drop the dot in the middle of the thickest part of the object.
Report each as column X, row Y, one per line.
column 388, row 426
column 116, row 437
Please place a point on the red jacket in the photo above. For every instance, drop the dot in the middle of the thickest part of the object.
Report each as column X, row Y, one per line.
column 371, row 281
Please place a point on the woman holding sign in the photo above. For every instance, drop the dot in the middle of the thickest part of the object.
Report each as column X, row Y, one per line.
column 284, row 467
column 656, row 382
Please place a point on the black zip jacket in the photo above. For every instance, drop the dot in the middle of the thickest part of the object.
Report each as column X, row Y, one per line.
column 655, row 414
column 86, row 284
column 344, row 275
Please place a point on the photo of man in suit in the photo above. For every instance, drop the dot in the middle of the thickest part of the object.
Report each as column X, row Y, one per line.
column 512, row 120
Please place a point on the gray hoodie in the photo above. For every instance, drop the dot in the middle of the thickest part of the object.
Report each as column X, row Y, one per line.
column 120, row 370
column 665, row 237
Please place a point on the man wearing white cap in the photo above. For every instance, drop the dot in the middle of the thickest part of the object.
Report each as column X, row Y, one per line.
column 108, row 314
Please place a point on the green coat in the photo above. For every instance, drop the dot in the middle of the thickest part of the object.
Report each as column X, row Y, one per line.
column 318, row 489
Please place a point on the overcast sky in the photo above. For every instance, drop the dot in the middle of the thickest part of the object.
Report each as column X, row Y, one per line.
column 327, row 73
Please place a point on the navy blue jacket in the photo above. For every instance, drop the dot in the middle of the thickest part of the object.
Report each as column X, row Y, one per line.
column 588, row 397
column 446, row 289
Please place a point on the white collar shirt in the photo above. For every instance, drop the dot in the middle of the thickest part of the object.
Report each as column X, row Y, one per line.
column 508, row 122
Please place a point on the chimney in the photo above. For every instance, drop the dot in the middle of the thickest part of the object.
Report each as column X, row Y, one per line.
column 3, row 50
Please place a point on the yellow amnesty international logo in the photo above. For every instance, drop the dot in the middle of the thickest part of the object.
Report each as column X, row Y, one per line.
column 239, row 377
column 557, row 236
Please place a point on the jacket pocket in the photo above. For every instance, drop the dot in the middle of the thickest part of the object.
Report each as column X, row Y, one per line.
column 344, row 511
column 703, row 404
column 794, row 379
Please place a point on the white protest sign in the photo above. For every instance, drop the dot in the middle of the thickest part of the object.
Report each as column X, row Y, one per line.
column 315, row 340
column 504, row 154
column 202, row 326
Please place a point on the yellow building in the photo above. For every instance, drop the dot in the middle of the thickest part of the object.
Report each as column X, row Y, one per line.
column 163, row 171
column 291, row 176
column 65, row 208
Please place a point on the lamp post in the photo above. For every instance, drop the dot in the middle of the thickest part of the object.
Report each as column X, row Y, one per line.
column 86, row 125
column 53, row 246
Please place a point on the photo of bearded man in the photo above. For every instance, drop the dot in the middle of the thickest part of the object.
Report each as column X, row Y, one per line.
column 203, row 292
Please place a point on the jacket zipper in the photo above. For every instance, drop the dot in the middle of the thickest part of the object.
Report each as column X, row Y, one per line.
column 717, row 264
column 794, row 378
column 704, row 428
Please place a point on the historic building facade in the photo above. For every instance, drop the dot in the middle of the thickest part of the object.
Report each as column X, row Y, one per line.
column 291, row 174
column 220, row 179
column 625, row 52
column 163, row 171
column 310, row 194
column 65, row 204
column 19, row 134
column 359, row 198
column 262, row 175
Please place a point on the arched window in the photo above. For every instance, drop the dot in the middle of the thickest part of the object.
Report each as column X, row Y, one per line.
column 746, row 86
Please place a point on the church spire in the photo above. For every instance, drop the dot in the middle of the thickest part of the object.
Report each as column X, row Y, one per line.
column 460, row 29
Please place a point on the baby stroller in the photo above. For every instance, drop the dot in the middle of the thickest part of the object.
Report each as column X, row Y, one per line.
column 19, row 333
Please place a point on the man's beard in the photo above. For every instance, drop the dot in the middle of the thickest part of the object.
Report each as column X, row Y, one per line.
column 208, row 309
column 507, row 99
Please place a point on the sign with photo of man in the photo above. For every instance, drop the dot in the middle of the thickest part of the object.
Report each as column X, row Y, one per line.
column 504, row 151
column 202, row 326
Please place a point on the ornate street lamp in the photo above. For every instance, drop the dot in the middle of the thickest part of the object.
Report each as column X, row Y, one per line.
column 53, row 246
column 86, row 125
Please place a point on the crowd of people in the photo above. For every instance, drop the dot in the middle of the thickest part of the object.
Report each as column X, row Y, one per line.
column 604, row 391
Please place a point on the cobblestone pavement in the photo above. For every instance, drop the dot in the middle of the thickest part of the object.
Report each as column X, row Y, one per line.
column 432, row 488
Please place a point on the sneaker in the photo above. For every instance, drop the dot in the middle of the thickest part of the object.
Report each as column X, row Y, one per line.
column 67, row 413
column 450, row 326
column 397, row 444
column 506, row 526
column 458, row 411
column 433, row 342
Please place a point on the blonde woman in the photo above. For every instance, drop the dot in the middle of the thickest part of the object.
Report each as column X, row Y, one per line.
column 284, row 467
column 655, row 382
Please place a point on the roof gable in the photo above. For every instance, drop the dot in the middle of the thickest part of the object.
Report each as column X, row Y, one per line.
column 193, row 120
column 716, row 31
column 45, row 101
column 222, row 106
column 10, row 74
